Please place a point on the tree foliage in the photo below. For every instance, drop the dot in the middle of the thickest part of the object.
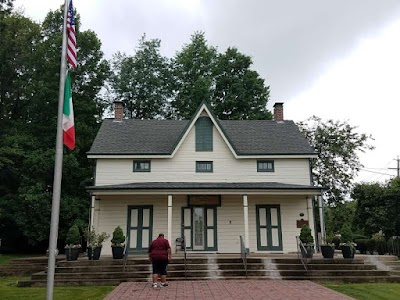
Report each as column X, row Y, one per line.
column 378, row 207
column 143, row 81
column 29, row 85
column 338, row 146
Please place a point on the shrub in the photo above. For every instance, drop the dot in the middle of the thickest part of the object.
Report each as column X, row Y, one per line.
column 118, row 237
column 336, row 241
column 346, row 234
column 371, row 246
column 95, row 239
column 362, row 245
column 305, row 235
column 73, row 236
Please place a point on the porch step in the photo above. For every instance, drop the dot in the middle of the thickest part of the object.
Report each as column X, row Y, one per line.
column 108, row 271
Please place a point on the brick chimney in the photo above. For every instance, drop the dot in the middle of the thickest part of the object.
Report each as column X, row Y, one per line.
column 278, row 111
column 118, row 111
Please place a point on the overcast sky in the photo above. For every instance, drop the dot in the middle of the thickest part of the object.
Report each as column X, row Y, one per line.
column 337, row 59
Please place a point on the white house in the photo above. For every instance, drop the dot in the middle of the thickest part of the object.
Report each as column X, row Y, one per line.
column 208, row 180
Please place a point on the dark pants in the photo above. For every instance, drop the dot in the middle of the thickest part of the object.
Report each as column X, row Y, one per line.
column 160, row 267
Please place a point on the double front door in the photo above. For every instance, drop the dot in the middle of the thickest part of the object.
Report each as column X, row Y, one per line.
column 269, row 230
column 199, row 227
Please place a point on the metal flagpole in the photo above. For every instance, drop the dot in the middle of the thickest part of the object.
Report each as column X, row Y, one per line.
column 55, row 207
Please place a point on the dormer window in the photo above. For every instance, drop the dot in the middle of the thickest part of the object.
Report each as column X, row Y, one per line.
column 204, row 134
column 141, row 166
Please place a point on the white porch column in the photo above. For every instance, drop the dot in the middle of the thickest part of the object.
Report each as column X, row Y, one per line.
column 169, row 236
column 310, row 214
column 246, row 221
column 91, row 220
column 322, row 218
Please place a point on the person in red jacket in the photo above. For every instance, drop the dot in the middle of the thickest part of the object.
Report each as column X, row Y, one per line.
column 159, row 255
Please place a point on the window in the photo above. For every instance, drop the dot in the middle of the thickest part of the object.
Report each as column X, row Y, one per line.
column 265, row 166
column 204, row 166
column 141, row 166
column 204, row 134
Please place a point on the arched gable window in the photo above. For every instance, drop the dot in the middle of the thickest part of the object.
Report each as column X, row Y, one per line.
column 204, row 134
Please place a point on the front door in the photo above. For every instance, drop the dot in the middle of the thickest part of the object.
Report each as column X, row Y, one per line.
column 269, row 230
column 200, row 228
column 140, row 228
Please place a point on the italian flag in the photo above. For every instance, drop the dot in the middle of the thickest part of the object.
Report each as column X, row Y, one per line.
column 68, row 115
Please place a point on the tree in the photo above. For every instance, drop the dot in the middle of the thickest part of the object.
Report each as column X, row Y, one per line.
column 240, row 93
column 339, row 214
column 28, row 129
column 378, row 207
column 338, row 145
column 143, row 81
column 193, row 69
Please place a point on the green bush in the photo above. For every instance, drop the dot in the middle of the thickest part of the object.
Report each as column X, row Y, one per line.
column 305, row 235
column 361, row 245
column 359, row 237
column 118, row 237
column 73, row 236
column 346, row 234
column 371, row 246
column 336, row 241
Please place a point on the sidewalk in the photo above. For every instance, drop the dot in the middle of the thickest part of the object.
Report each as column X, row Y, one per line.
column 226, row 289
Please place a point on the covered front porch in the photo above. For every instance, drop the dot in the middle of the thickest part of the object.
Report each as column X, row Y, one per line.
column 210, row 216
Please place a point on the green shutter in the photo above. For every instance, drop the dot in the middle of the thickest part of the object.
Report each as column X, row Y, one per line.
column 204, row 134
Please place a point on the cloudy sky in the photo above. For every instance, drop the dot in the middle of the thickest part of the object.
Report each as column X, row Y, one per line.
column 336, row 59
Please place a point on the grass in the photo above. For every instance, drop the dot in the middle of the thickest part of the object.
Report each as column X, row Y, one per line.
column 5, row 258
column 367, row 291
column 10, row 291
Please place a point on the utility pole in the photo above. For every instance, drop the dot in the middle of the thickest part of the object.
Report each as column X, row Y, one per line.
column 398, row 167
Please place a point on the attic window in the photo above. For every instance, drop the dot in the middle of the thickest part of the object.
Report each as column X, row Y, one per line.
column 204, row 166
column 265, row 166
column 141, row 166
column 204, row 134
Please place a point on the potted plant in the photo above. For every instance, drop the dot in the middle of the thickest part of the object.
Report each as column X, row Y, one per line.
column 72, row 243
column 347, row 245
column 308, row 241
column 328, row 248
column 95, row 243
column 117, row 243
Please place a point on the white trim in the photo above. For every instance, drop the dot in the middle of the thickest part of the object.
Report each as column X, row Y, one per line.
column 133, row 156
column 170, row 218
column 208, row 192
column 246, row 221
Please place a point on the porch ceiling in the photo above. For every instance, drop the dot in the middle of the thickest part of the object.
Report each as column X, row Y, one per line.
column 206, row 188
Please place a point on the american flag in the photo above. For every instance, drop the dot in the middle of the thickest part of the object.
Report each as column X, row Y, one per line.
column 71, row 46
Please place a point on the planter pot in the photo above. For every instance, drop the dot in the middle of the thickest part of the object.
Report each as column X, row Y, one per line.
column 117, row 252
column 327, row 251
column 308, row 252
column 72, row 253
column 94, row 253
column 348, row 251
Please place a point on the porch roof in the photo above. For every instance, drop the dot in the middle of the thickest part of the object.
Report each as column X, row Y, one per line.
column 207, row 186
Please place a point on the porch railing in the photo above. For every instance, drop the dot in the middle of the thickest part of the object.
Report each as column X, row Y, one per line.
column 126, row 252
column 302, row 252
column 243, row 254
column 184, row 252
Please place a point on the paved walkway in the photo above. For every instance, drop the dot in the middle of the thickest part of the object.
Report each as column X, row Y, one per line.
column 226, row 289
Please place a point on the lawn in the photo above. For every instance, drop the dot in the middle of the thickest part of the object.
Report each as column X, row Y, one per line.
column 368, row 291
column 5, row 258
column 10, row 291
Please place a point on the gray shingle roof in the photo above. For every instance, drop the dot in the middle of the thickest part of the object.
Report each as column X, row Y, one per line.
column 203, row 185
column 247, row 137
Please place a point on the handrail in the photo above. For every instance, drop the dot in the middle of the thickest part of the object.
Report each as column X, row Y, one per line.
column 125, row 256
column 243, row 254
column 184, row 252
column 300, row 250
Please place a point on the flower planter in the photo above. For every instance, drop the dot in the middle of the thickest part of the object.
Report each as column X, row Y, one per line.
column 117, row 252
column 307, row 252
column 348, row 251
column 94, row 253
column 327, row 251
column 72, row 253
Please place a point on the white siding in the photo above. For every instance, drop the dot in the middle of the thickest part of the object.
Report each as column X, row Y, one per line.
column 182, row 167
column 111, row 211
